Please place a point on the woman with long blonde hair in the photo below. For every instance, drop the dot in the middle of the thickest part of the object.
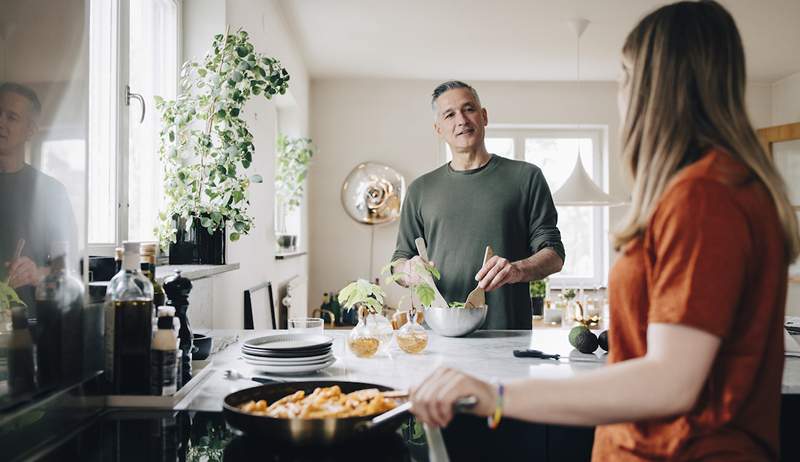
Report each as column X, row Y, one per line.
column 698, row 291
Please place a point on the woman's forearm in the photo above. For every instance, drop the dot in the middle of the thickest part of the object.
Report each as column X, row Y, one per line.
column 666, row 381
column 634, row 390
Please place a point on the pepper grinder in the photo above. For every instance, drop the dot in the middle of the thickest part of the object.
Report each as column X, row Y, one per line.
column 178, row 288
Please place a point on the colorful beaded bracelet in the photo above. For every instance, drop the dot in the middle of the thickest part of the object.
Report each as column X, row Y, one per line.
column 494, row 419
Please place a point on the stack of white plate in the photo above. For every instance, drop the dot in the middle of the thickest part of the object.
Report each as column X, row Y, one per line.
column 289, row 353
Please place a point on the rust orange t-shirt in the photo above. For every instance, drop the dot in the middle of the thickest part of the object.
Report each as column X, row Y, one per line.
column 713, row 258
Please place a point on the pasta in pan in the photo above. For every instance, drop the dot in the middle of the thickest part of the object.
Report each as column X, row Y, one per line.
column 323, row 403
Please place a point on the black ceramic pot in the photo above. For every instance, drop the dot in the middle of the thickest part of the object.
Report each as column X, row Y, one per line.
column 197, row 245
column 537, row 306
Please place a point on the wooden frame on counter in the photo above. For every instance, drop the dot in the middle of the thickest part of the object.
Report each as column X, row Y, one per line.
column 771, row 135
column 778, row 133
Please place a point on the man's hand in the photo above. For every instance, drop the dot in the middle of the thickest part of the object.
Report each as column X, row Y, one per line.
column 497, row 272
column 22, row 272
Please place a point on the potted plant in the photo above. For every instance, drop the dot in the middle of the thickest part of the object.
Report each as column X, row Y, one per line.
column 291, row 168
column 538, row 291
column 206, row 148
column 373, row 332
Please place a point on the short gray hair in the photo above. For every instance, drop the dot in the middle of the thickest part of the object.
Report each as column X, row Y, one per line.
column 24, row 91
column 451, row 85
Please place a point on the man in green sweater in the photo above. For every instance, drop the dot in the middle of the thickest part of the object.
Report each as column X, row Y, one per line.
column 480, row 199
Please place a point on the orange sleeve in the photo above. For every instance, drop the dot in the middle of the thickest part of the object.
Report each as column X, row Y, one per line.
column 699, row 246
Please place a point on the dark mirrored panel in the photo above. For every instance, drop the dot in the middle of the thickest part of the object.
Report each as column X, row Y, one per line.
column 45, row 325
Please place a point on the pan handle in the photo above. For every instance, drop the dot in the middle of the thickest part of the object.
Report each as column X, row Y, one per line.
column 461, row 405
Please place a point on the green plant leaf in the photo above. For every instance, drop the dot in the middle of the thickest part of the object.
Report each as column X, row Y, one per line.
column 424, row 293
column 235, row 236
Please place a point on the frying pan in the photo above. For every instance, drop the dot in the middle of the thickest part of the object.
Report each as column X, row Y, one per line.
column 318, row 432
column 303, row 432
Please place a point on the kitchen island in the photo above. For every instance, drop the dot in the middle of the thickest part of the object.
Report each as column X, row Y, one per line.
column 485, row 354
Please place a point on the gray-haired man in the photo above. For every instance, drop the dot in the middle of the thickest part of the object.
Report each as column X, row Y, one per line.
column 477, row 199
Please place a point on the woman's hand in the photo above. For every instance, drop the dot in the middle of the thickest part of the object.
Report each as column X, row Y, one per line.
column 433, row 399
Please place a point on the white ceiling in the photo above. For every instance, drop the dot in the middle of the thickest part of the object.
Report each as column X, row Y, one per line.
column 508, row 39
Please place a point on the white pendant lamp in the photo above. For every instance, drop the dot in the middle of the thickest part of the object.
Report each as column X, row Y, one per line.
column 579, row 189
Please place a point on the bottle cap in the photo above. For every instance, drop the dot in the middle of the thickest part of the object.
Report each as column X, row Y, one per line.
column 166, row 311
column 149, row 248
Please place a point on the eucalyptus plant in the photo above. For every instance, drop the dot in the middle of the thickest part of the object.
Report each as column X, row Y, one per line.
column 205, row 145
column 291, row 169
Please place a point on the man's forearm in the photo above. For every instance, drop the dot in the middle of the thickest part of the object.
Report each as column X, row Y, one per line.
column 539, row 265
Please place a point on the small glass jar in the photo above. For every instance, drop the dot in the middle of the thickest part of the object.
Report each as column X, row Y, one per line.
column 412, row 338
column 371, row 335
column 554, row 313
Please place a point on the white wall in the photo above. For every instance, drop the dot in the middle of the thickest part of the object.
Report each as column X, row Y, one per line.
column 390, row 121
column 786, row 110
column 786, row 100
column 255, row 253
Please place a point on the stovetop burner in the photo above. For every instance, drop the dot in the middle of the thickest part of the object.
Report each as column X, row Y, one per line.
column 195, row 436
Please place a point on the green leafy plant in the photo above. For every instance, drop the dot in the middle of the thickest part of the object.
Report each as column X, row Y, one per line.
column 363, row 293
column 205, row 144
column 291, row 169
column 538, row 288
column 568, row 294
column 8, row 297
column 415, row 277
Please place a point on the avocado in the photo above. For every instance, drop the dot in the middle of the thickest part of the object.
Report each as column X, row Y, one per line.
column 602, row 340
column 573, row 333
column 586, row 342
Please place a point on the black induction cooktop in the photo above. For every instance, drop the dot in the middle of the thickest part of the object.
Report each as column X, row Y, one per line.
column 204, row 436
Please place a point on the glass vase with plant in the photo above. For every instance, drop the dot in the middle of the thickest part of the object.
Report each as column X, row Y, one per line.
column 205, row 146
column 373, row 333
column 293, row 156
column 417, row 277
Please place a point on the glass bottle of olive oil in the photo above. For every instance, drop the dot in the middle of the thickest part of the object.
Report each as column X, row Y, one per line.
column 129, row 326
column 148, row 266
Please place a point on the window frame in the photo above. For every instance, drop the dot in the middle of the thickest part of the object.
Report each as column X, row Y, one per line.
column 121, row 31
column 599, row 136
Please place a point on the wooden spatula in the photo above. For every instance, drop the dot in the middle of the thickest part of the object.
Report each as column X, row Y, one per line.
column 477, row 297
column 422, row 250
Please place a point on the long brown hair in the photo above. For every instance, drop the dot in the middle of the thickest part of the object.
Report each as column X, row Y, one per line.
column 686, row 87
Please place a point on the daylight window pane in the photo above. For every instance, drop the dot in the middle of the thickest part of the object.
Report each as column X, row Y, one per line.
column 556, row 157
column 153, row 69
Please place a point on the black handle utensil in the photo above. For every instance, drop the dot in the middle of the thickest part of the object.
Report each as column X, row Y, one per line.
column 535, row 354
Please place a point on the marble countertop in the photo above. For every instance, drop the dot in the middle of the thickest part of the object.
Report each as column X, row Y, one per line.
column 485, row 354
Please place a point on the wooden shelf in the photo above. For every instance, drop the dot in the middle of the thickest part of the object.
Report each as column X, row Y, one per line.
column 285, row 255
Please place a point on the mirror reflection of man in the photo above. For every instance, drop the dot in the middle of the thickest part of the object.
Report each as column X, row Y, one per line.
column 477, row 199
column 34, row 209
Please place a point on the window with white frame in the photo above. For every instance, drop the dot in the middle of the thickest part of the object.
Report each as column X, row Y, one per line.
column 555, row 151
column 134, row 44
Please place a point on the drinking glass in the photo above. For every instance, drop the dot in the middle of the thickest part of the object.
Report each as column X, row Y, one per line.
column 306, row 325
